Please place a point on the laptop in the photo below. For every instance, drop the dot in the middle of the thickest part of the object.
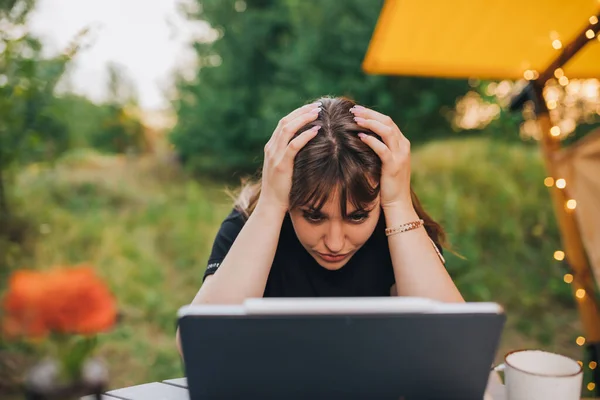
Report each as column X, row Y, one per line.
column 340, row 348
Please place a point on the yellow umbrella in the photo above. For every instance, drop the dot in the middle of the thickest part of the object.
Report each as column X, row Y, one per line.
column 510, row 39
column 481, row 38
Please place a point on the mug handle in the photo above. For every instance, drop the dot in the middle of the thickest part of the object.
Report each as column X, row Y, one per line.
column 499, row 368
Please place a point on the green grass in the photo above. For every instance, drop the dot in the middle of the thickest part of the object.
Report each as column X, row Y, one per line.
column 148, row 230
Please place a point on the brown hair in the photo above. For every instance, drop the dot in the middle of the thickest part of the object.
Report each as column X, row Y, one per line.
column 335, row 158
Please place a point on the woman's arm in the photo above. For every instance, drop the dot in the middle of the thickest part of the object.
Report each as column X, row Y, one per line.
column 244, row 271
column 417, row 267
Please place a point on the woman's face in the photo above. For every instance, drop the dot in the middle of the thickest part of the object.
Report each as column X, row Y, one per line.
column 326, row 232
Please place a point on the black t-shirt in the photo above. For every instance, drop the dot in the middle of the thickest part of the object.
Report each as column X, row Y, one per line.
column 295, row 273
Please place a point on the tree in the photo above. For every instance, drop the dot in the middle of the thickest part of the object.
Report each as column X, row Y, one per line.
column 271, row 56
column 28, row 130
column 120, row 130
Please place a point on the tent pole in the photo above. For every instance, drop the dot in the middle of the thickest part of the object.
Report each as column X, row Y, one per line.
column 570, row 50
column 565, row 55
column 570, row 235
column 571, row 238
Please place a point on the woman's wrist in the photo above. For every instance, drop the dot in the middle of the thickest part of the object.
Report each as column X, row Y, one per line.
column 269, row 211
column 399, row 214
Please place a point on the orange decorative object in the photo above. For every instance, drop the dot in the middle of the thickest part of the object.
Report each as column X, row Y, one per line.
column 61, row 300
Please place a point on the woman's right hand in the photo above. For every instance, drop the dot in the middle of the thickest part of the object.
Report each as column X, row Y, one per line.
column 280, row 154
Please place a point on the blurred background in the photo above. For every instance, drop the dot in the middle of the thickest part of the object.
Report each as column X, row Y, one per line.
column 122, row 122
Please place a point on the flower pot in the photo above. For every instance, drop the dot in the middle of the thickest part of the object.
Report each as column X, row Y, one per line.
column 43, row 381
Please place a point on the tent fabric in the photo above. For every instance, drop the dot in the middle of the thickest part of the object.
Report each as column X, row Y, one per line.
column 480, row 39
column 579, row 165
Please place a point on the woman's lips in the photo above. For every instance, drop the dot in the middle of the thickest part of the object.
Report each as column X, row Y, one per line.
column 331, row 258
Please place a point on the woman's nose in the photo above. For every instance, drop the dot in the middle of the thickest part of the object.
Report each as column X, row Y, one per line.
column 334, row 240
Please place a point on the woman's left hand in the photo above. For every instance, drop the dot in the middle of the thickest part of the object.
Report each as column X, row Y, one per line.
column 394, row 153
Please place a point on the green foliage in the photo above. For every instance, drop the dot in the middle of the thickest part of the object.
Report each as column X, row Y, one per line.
column 37, row 126
column 488, row 195
column 273, row 56
column 120, row 130
column 28, row 131
column 82, row 117
column 113, row 126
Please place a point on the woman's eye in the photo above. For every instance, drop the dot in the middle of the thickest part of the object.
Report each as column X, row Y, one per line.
column 312, row 217
column 355, row 218
column 358, row 217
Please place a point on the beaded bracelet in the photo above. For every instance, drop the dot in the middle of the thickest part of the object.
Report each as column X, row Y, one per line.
column 409, row 226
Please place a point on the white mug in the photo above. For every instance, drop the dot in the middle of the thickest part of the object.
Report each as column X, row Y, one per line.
column 540, row 375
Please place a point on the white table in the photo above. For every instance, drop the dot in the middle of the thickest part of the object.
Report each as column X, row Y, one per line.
column 176, row 389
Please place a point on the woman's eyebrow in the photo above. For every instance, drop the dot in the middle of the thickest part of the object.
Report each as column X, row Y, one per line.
column 357, row 211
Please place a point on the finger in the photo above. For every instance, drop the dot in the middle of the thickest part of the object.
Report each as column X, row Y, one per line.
column 299, row 111
column 287, row 132
column 298, row 143
column 386, row 132
column 384, row 153
column 367, row 113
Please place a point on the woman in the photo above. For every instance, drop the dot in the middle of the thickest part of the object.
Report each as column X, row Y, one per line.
column 335, row 176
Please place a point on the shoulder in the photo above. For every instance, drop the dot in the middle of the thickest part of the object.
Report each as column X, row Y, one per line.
column 229, row 230
column 231, row 226
column 235, row 218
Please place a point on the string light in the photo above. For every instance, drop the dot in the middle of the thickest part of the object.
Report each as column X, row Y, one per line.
column 558, row 72
column 561, row 183
column 528, row 75
column 591, row 386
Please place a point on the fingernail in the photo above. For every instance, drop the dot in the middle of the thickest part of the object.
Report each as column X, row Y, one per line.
column 318, row 103
column 316, row 110
column 352, row 110
column 358, row 107
column 362, row 135
column 359, row 119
